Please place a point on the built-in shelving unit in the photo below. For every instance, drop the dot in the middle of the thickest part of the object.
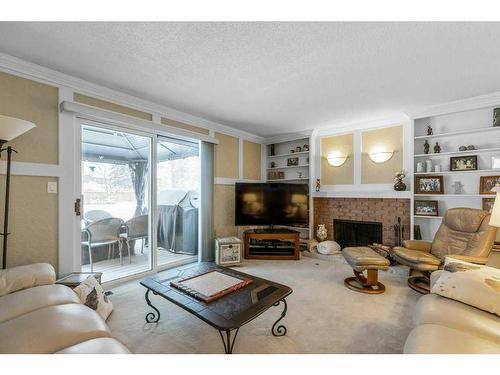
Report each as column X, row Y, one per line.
column 293, row 166
column 452, row 130
column 277, row 162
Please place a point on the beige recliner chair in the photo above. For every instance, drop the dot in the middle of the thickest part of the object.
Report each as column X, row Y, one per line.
column 464, row 234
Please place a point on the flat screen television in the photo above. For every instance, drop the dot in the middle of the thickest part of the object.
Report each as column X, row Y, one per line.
column 271, row 204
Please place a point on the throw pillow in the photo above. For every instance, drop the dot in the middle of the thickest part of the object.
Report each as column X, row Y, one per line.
column 92, row 295
column 473, row 284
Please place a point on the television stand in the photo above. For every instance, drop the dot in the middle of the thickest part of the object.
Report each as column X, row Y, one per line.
column 276, row 243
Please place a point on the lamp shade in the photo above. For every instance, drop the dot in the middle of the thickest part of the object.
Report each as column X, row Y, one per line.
column 11, row 127
column 495, row 213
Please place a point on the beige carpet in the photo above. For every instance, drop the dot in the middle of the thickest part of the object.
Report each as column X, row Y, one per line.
column 323, row 316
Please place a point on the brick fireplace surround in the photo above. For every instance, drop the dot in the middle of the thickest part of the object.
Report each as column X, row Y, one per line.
column 384, row 210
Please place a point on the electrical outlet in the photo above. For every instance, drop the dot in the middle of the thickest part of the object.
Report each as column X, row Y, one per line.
column 52, row 187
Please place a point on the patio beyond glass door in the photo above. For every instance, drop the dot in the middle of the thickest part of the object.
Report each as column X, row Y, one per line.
column 178, row 200
column 116, row 193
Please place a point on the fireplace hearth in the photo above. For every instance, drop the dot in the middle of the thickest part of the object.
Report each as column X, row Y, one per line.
column 356, row 233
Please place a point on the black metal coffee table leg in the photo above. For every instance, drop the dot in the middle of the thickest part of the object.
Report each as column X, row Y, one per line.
column 151, row 317
column 281, row 329
column 227, row 341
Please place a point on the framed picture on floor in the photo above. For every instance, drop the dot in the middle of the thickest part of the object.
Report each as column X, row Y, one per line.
column 426, row 208
column 429, row 185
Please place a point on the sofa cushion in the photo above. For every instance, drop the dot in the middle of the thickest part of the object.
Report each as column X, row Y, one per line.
column 473, row 284
column 51, row 329
column 434, row 309
column 23, row 277
column 437, row 339
column 91, row 293
column 103, row 345
column 28, row 300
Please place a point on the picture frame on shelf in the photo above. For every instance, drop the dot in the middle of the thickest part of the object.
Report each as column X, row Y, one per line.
column 463, row 163
column 292, row 162
column 429, row 185
column 496, row 117
column 495, row 162
column 487, row 204
column 426, row 208
column 489, row 185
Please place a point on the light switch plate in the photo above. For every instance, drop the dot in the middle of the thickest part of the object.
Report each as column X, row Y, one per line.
column 52, row 187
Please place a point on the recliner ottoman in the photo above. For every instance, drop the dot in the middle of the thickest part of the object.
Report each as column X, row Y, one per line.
column 362, row 259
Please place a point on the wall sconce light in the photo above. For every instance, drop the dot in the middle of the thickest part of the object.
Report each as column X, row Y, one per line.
column 379, row 155
column 336, row 160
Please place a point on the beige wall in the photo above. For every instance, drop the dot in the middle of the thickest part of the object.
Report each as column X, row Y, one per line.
column 388, row 139
column 177, row 124
column 340, row 145
column 33, row 212
column 35, row 102
column 83, row 99
column 251, row 160
column 224, row 211
column 226, row 156
column 32, row 221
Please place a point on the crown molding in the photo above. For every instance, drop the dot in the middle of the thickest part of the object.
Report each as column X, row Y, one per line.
column 475, row 102
column 349, row 127
column 16, row 66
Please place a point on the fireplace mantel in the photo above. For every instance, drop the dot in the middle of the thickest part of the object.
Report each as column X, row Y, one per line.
column 363, row 194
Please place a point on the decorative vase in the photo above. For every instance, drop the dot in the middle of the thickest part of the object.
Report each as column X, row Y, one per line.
column 321, row 233
column 400, row 185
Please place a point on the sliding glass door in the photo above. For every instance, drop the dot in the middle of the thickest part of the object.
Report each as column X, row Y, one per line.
column 178, row 200
column 116, row 191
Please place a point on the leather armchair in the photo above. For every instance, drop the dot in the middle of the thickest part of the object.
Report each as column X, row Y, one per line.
column 464, row 234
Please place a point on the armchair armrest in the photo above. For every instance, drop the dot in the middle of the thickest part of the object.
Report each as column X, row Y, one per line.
column 23, row 277
column 465, row 258
column 418, row 245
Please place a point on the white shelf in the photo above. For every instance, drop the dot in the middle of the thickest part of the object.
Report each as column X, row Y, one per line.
column 457, row 172
column 289, row 166
column 456, row 195
column 459, row 132
column 290, row 154
column 458, row 152
column 427, row 217
column 288, row 179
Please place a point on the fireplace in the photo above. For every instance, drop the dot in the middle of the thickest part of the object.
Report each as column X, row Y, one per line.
column 356, row 233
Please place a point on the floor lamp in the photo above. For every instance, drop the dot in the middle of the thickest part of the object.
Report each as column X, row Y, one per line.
column 10, row 128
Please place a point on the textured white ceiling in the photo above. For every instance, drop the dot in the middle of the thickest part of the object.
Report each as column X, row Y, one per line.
column 271, row 78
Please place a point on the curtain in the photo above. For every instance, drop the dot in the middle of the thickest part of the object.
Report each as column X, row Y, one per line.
column 139, row 172
column 207, row 246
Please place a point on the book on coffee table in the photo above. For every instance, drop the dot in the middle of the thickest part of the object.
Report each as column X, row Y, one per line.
column 211, row 285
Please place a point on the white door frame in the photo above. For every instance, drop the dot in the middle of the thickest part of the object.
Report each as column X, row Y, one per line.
column 70, row 186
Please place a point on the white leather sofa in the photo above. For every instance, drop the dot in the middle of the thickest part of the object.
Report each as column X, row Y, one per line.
column 447, row 326
column 38, row 316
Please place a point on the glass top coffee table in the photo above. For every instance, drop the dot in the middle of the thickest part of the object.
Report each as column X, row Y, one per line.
column 227, row 314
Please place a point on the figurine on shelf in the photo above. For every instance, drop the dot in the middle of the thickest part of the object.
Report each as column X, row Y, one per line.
column 471, row 147
column 399, row 185
column 426, row 147
column 273, row 164
column 298, row 149
column 429, row 130
column 437, row 148
column 318, row 184
column 306, row 148
column 462, row 148
column 458, row 187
